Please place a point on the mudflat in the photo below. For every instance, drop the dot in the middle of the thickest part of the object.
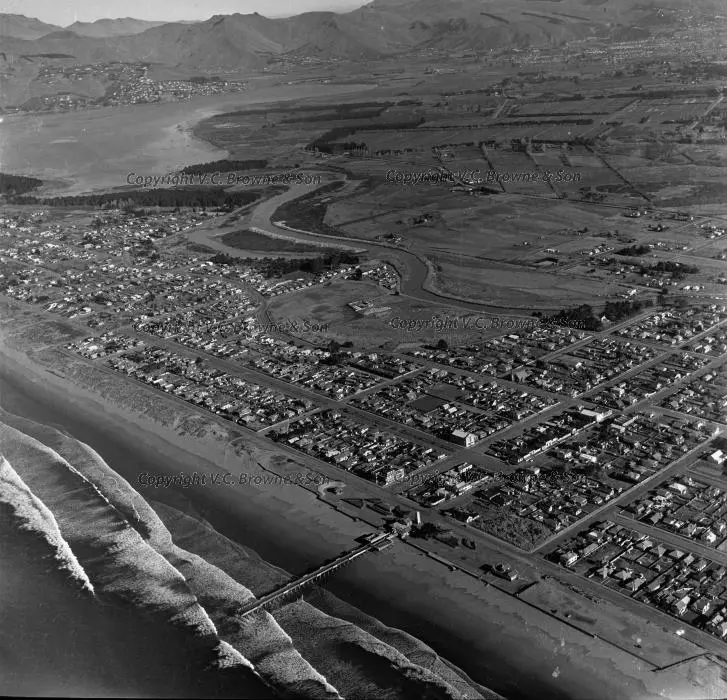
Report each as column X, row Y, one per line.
column 97, row 149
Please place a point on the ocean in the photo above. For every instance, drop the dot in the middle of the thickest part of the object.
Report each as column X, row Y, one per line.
column 516, row 652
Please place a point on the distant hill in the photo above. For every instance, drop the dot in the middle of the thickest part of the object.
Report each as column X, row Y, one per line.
column 380, row 28
column 103, row 28
column 21, row 27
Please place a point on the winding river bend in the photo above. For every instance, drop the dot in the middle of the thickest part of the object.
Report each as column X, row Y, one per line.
column 415, row 272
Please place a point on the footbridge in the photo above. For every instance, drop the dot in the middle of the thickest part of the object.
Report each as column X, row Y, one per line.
column 292, row 589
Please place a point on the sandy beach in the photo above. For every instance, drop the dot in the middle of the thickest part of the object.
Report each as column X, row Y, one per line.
column 482, row 630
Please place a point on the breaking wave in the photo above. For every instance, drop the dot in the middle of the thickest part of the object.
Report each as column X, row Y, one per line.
column 184, row 580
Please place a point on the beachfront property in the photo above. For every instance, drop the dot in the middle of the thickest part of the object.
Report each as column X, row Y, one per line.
column 228, row 396
column 516, row 439
column 342, row 439
column 687, row 586
column 450, row 484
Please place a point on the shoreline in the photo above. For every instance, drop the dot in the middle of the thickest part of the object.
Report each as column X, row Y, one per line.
column 155, row 449
column 80, row 152
column 393, row 588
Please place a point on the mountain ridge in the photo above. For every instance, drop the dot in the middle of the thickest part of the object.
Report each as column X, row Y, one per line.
column 104, row 28
column 379, row 29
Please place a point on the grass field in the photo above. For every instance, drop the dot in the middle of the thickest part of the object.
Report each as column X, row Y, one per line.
column 526, row 289
column 494, row 227
column 249, row 240
column 326, row 306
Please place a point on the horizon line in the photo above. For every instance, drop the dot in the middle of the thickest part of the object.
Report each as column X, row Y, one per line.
column 187, row 21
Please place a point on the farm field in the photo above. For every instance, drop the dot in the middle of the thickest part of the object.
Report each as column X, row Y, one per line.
column 567, row 107
column 662, row 111
column 484, row 226
column 525, row 289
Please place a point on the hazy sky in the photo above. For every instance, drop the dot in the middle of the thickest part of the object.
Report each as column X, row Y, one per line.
column 65, row 12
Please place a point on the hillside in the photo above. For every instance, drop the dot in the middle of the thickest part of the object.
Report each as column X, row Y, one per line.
column 104, row 28
column 381, row 28
column 22, row 27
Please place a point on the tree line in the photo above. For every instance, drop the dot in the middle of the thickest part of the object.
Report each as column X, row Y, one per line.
column 324, row 143
column 176, row 198
column 12, row 185
column 224, row 166
column 584, row 318
column 277, row 267
column 634, row 250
